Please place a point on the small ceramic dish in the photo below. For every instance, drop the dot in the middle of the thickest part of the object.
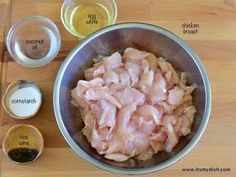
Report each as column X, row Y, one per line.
column 23, row 144
column 22, row 99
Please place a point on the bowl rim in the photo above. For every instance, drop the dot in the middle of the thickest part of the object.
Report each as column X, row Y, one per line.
column 153, row 168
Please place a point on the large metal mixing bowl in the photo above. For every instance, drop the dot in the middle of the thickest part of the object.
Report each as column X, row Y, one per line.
column 117, row 38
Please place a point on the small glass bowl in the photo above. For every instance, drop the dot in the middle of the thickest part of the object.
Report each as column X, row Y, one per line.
column 91, row 15
column 33, row 41
column 23, row 144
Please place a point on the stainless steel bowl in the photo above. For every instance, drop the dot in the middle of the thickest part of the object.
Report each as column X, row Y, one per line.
column 117, row 38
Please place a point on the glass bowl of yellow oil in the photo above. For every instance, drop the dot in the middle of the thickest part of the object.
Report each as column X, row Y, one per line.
column 83, row 17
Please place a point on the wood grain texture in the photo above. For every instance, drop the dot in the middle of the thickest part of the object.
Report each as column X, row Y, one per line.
column 215, row 44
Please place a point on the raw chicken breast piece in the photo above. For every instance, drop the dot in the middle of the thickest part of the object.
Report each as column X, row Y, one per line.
column 169, row 119
column 137, row 143
column 158, row 139
column 99, row 71
column 134, row 54
column 79, row 100
column 113, row 61
column 175, row 96
column 141, row 124
column 108, row 118
column 124, row 116
column 125, row 78
column 157, row 91
column 145, row 155
column 167, row 68
column 153, row 61
column 111, row 77
column 117, row 157
column 101, row 93
column 146, row 79
column 172, row 139
column 187, row 120
column 89, row 73
column 149, row 110
column 98, row 142
column 167, row 108
column 116, row 144
column 130, row 96
column 160, row 81
column 134, row 70
column 89, row 122
column 82, row 85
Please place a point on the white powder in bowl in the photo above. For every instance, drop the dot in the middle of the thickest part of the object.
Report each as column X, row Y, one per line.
column 25, row 102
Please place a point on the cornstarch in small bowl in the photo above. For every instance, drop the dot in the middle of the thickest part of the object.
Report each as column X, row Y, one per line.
column 22, row 99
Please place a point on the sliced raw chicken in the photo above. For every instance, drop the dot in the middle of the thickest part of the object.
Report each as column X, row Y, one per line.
column 167, row 108
column 187, row 120
column 158, row 139
column 181, row 108
column 101, row 93
column 98, row 142
column 186, row 125
column 169, row 119
column 134, row 105
column 116, row 144
column 175, row 96
column 145, row 155
column 124, row 116
column 78, row 100
column 82, row 85
column 153, row 61
column 154, row 94
column 169, row 72
column 99, row 71
column 160, row 81
column 142, row 124
column 149, row 110
column 172, row 139
column 146, row 126
column 134, row 54
column 137, row 143
column 89, row 122
column 111, row 77
column 157, row 91
column 178, row 126
column 125, row 78
column 145, row 65
column 89, row 73
column 130, row 96
column 117, row 157
column 186, row 98
column 134, row 70
column 146, row 79
column 89, row 119
column 113, row 61
column 108, row 118
column 157, row 94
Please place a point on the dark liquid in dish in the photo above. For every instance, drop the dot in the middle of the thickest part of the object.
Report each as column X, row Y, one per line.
column 23, row 155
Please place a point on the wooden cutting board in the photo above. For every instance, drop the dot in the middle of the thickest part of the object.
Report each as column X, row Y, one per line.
column 213, row 37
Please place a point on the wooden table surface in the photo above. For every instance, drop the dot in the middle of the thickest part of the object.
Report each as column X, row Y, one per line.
column 215, row 43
